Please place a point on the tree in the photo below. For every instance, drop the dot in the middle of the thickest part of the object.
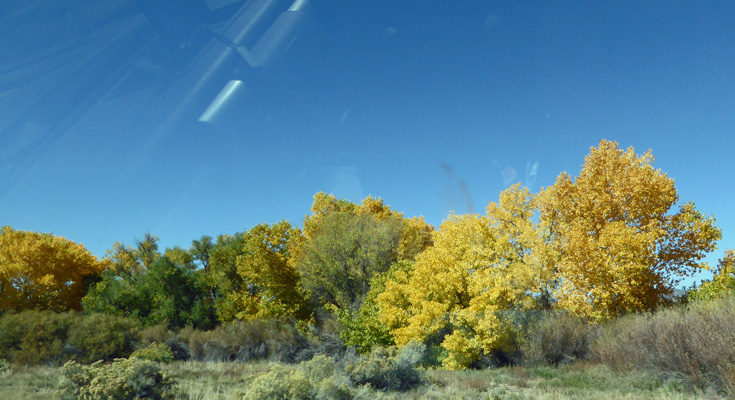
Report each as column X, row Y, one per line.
column 346, row 244
column 221, row 274
column 722, row 283
column 271, row 284
column 619, row 249
column 152, row 288
column 42, row 271
column 478, row 268
column 336, row 265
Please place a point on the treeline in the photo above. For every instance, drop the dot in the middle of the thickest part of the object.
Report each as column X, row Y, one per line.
column 606, row 243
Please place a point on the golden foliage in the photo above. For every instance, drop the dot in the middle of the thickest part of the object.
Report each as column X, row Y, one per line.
column 42, row 271
column 478, row 266
column 270, row 283
column 619, row 250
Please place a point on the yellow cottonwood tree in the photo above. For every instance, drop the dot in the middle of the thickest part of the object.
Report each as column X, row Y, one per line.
column 42, row 271
column 619, row 248
column 270, row 283
column 478, row 267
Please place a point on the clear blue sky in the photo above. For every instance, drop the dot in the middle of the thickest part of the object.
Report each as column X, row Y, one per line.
column 407, row 101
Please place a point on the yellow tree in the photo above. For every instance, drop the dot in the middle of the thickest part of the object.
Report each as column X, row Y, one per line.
column 42, row 271
column 619, row 248
column 478, row 267
column 270, row 283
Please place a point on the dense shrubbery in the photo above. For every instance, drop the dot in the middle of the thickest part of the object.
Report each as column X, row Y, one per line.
column 122, row 379
column 693, row 342
column 557, row 338
column 40, row 337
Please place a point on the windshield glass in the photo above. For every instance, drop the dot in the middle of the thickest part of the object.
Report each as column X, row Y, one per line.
column 186, row 118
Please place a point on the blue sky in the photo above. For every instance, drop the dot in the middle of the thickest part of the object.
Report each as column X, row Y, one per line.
column 402, row 100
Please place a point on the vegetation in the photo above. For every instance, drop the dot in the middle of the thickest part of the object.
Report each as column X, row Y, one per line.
column 564, row 293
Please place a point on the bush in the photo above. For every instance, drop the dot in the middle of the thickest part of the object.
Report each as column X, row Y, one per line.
column 122, row 379
column 157, row 352
column 695, row 342
column 103, row 337
column 4, row 368
column 557, row 338
column 244, row 341
column 316, row 379
column 161, row 334
column 36, row 337
column 385, row 368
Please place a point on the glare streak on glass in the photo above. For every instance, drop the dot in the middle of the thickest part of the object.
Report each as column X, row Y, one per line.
column 297, row 5
column 224, row 95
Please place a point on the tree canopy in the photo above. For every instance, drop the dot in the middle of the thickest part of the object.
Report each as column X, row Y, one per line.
column 43, row 271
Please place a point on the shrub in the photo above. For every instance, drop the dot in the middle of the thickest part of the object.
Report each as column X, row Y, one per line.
column 385, row 368
column 693, row 342
column 557, row 338
column 35, row 337
column 103, row 337
column 316, row 379
column 40, row 337
column 157, row 352
column 122, row 379
column 4, row 368
column 244, row 341
column 161, row 334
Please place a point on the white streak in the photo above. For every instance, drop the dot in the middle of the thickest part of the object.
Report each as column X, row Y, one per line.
column 220, row 100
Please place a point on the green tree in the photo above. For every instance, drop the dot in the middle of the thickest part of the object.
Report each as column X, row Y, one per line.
column 722, row 283
column 338, row 263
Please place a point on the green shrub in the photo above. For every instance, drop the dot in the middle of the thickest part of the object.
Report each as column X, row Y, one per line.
column 318, row 379
column 385, row 368
column 4, row 368
column 157, row 352
column 122, row 379
column 557, row 338
column 103, row 337
column 162, row 334
column 695, row 342
column 280, row 383
column 42, row 337
column 36, row 337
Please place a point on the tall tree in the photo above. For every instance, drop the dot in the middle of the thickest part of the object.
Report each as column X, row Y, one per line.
column 271, row 285
column 478, row 267
column 42, row 271
column 619, row 248
column 346, row 244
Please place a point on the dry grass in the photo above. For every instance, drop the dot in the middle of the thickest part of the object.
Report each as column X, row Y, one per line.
column 694, row 344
